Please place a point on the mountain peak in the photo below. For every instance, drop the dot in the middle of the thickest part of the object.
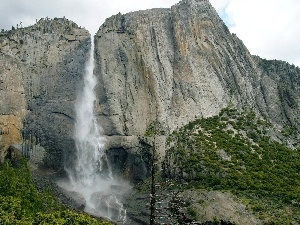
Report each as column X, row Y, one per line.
column 196, row 9
column 193, row 2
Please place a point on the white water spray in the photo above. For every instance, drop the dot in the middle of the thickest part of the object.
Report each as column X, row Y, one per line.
column 88, row 177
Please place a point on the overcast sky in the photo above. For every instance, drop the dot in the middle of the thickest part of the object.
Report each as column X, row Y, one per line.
column 269, row 28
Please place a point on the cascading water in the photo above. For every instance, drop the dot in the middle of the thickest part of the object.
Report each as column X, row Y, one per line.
column 89, row 142
column 88, row 177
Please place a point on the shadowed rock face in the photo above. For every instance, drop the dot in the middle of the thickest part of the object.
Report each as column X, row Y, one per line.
column 41, row 69
column 175, row 65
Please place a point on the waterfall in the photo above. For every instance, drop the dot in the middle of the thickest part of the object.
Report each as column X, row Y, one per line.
column 89, row 142
column 90, row 176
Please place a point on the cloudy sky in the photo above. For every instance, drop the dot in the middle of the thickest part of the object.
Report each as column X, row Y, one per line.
column 269, row 28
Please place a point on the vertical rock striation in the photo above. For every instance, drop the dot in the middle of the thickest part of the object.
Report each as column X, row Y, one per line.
column 170, row 66
column 157, row 70
column 41, row 69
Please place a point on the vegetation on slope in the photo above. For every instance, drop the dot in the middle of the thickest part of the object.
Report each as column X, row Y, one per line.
column 21, row 203
column 232, row 151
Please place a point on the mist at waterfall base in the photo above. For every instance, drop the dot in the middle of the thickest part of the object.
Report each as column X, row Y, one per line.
column 91, row 175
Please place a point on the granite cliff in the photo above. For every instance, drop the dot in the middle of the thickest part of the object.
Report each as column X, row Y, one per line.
column 41, row 69
column 162, row 68
column 157, row 70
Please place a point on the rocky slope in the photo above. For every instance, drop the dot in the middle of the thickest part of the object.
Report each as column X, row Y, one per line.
column 166, row 67
column 41, row 68
column 233, row 152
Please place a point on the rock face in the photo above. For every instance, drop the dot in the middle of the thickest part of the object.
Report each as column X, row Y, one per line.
column 224, row 206
column 41, row 69
column 157, row 70
column 170, row 66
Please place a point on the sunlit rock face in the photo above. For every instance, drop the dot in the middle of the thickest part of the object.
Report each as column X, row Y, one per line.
column 157, row 70
column 175, row 65
column 41, row 69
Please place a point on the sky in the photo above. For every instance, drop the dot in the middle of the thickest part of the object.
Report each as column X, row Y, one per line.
column 269, row 28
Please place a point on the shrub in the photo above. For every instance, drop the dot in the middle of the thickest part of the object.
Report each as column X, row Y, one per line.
column 21, row 203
